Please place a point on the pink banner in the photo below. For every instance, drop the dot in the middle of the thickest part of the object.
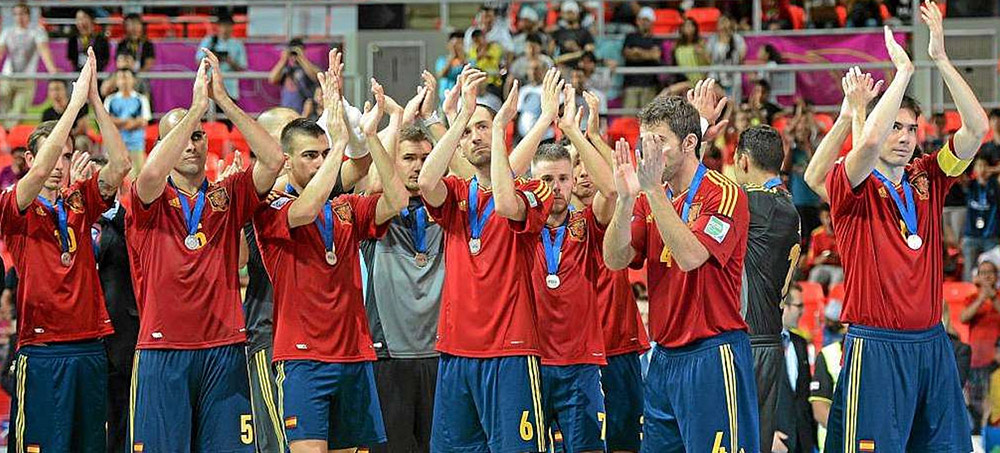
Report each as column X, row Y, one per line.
column 255, row 95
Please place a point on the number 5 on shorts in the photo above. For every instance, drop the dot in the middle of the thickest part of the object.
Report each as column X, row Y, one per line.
column 246, row 429
column 527, row 429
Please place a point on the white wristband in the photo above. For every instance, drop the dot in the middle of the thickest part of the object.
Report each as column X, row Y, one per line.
column 704, row 125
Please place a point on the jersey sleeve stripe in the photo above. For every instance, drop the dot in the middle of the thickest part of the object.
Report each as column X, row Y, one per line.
column 730, row 193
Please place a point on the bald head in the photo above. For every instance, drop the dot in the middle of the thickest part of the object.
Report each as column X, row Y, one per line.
column 170, row 120
column 275, row 119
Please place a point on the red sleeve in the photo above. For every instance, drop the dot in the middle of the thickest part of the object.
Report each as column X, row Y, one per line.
column 838, row 188
column 455, row 188
column 722, row 224
column 245, row 198
column 940, row 181
column 94, row 203
column 641, row 221
column 271, row 222
column 12, row 220
column 537, row 198
column 364, row 207
column 142, row 214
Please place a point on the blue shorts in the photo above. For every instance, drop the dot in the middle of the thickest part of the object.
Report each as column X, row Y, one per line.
column 488, row 405
column 573, row 405
column 702, row 397
column 191, row 400
column 621, row 380
column 335, row 402
column 898, row 391
column 61, row 398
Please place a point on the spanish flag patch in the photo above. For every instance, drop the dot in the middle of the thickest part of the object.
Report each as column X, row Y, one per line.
column 138, row 447
column 866, row 445
column 33, row 448
column 291, row 422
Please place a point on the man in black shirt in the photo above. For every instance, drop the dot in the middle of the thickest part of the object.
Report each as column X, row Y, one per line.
column 642, row 49
column 86, row 35
column 571, row 39
column 772, row 249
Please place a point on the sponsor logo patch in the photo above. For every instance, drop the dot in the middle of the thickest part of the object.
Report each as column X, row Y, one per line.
column 291, row 422
column 717, row 229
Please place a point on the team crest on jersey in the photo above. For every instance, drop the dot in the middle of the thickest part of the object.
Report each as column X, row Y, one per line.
column 219, row 199
column 577, row 227
column 40, row 211
column 175, row 202
column 693, row 213
column 882, row 192
column 75, row 202
column 343, row 212
column 463, row 205
column 921, row 184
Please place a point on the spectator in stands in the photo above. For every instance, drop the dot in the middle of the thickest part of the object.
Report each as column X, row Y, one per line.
column 529, row 102
column 58, row 98
column 131, row 114
column 533, row 57
column 726, row 47
column 528, row 24
column 494, row 29
column 937, row 133
column 571, row 39
column 762, row 110
column 86, row 35
column 806, row 201
column 230, row 51
column 863, row 13
column 991, row 415
column 642, row 49
column 22, row 44
column 982, row 231
column 10, row 174
column 487, row 57
column 796, row 427
column 776, row 14
column 824, row 259
column 296, row 75
column 449, row 66
column 599, row 78
column 136, row 46
column 982, row 315
column 828, row 364
column 792, row 309
column 689, row 51
column 833, row 329
column 991, row 149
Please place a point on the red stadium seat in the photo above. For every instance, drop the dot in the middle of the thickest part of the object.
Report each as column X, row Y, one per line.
column 18, row 135
column 956, row 294
column 240, row 30
column 152, row 135
column 825, row 121
column 198, row 30
column 798, row 17
column 780, row 123
column 238, row 143
column 159, row 30
column 952, row 121
column 837, row 292
column 883, row 12
column 813, row 303
column 667, row 21
column 707, row 18
column 841, row 15
column 626, row 127
column 218, row 137
column 155, row 18
column 3, row 141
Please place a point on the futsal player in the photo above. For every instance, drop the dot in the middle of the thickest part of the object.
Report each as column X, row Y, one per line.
column 61, row 367
column 488, row 392
column 773, row 247
column 692, row 235
column 190, row 388
column 899, row 386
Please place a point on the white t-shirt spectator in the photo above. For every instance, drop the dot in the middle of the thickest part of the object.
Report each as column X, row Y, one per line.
column 22, row 49
column 529, row 106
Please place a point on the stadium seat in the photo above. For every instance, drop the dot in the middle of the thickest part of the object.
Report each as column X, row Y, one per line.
column 240, row 30
column 218, row 137
column 3, row 141
column 824, row 120
column 837, row 292
column 668, row 21
column 18, row 135
column 707, row 18
column 626, row 127
column 152, row 134
column 798, row 17
column 238, row 142
column 956, row 294
column 780, row 123
column 952, row 121
column 198, row 30
column 841, row 15
column 813, row 303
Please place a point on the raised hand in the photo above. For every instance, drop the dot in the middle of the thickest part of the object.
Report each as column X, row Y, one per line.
column 81, row 168
column 470, row 89
column 593, row 112
column 570, row 120
column 859, row 88
column 373, row 115
column 429, row 104
column 223, row 172
column 450, row 105
column 704, row 99
column 509, row 108
column 217, row 89
column 412, row 110
column 552, row 85
column 94, row 93
column 651, row 163
column 82, row 86
column 200, row 96
column 626, row 181
column 336, row 122
column 896, row 52
column 931, row 15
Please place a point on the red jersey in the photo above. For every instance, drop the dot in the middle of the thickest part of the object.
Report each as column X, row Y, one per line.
column 568, row 316
column 319, row 311
column 984, row 329
column 620, row 319
column 487, row 305
column 685, row 307
column 56, row 302
column 887, row 284
column 189, row 299
column 822, row 243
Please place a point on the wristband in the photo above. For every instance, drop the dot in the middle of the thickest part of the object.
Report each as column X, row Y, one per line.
column 704, row 125
column 433, row 119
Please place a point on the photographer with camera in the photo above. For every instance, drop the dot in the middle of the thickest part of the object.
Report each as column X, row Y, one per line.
column 296, row 75
column 231, row 53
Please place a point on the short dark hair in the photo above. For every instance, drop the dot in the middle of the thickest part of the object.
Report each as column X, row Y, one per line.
column 133, row 16
column 994, row 113
column 588, row 55
column 675, row 112
column 89, row 12
column 908, row 103
column 476, row 33
column 62, row 82
column 99, row 160
column 534, row 37
column 456, row 34
column 39, row 135
column 299, row 126
column 413, row 133
column 224, row 18
column 296, row 42
column 19, row 149
column 763, row 145
column 552, row 152
column 124, row 69
column 763, row 83
column 486, row 7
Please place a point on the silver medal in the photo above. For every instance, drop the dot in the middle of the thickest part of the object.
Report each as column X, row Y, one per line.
column 65, row 259
column 475, row 245
column 980, row 223
column 331, row 257
column 552, row 281
column 914, row 242
column 191, row 242
column 420, row 259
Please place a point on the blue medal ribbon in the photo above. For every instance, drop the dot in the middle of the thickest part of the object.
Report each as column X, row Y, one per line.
column 62, row 224
column 553, row 245
column 476, row 221
column 324, row 221
column 699, row 175
column 907, row 210
column 772, row 183
column 418, row 228
column 192, row 217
